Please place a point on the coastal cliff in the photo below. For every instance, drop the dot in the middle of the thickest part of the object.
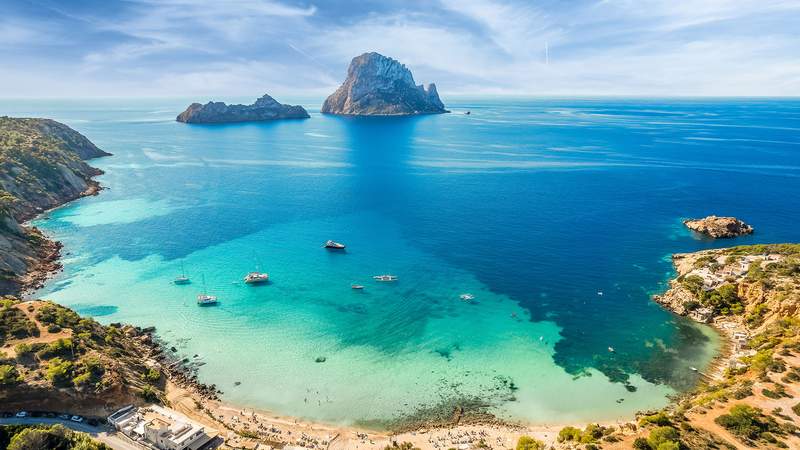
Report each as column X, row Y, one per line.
column 264, row 109
column 41, row 166
column 380, row 86
column 53, row 359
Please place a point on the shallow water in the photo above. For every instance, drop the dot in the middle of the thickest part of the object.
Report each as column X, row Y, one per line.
column 533, row 206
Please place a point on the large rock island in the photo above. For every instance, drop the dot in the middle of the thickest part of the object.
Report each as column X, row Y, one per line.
column 380, row 86
column 265, row 108
column 41, row 167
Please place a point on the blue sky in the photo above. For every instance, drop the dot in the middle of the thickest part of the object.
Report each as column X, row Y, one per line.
column 204, row 48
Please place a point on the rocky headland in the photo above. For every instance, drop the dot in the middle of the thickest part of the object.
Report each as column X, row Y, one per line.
column 719, row 227
column 264, row 109
column 377, row 85
column 41, row 166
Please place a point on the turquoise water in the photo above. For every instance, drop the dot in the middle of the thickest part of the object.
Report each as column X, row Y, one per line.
column 533, row 206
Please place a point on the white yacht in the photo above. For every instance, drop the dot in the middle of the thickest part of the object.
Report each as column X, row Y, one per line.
column 384, row 278
column 466, row 297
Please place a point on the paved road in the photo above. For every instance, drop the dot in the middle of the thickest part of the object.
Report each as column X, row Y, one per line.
column 102, row 434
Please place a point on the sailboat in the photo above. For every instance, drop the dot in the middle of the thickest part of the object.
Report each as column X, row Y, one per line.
column 182, row 279
column 204, row 299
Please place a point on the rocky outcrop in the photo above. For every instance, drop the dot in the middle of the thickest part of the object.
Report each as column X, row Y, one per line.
column 752, row 285
column 380, row 86
column 41, row 167
column 719, row 227
column 265, row 108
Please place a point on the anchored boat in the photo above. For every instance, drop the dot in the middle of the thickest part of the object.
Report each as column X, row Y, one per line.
column 182, row 279
column 256, row 277
column 204, row 299
column 332, row 245
column 384, row 278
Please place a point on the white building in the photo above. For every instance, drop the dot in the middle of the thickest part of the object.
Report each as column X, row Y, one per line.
column 161, row 428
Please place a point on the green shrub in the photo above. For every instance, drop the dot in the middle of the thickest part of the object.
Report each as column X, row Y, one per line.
column 747, row 422
column 59, row 372
column 796, row 409
column 641, row 444
column 529, row 443
column 569, row 434
column 152, row 375
column 659, row 418
column 60, row 347
column 662, row 435
column 9, row 375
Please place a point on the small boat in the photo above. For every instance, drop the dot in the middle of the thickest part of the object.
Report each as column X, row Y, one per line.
column 356, row 286
column 256, row 277
column 384, row 278
column 694, row 369
column 182, row 279
column 599, row 292
column 467, row 113
column 611, row 349
column 204, row 299
column 466, row 297
column 334, row 245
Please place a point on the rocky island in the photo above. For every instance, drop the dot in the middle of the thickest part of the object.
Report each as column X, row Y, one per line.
column 264, row 109
column 719, row 227
column 42, row 167
column 377, row 85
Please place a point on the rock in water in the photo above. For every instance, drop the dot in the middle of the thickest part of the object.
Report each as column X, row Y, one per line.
column 265, row 108
column 380, row 86
column 719, row 227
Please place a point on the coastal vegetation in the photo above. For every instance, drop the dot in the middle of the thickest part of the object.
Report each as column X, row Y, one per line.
column 54, row 437
column 63, row 356
column 751, row 294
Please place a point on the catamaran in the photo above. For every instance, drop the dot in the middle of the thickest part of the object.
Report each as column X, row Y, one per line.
column 204, row 299
column 334, row 245
column 256, row 277
column 182, row 279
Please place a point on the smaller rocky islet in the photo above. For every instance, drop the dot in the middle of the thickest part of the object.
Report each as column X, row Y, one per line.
column 717, row 227
column 265, row 108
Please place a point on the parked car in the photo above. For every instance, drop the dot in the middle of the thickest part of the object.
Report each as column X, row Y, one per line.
column 63, row 416
column 78, row 419
column 93, row 422
column 21, row 414
column 50, row 415
column 6, row 415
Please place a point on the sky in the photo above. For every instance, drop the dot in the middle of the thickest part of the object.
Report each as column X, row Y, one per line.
column 217, row 48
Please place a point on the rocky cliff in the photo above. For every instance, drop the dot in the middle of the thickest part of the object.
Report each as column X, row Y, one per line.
column 380, row 86
column 41, row 167
column 265, row 108
column 719, row 227
column 751, row 286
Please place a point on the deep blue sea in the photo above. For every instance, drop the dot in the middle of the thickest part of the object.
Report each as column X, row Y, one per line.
column 534, row 206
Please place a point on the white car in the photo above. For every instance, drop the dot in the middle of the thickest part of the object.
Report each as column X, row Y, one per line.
column 76, row 419
column 21, row 414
